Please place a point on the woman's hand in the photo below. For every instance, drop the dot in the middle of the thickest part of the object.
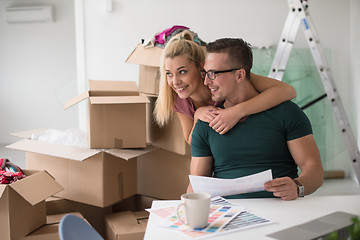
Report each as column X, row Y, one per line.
column 225, row 119
column 205, row 114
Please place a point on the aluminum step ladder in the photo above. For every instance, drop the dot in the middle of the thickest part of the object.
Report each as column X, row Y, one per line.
column 299, row 15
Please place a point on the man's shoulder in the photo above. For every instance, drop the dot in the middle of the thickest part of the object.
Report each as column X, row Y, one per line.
column 286, row 105
column 285, row 110
column 202, row 127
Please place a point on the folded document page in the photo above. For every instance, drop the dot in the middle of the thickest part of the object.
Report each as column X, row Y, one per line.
column 226, row 187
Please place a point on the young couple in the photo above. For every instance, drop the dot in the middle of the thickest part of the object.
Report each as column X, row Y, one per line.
column 238, row 123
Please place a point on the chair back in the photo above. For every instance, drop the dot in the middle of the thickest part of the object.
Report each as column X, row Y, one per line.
column 72, row 227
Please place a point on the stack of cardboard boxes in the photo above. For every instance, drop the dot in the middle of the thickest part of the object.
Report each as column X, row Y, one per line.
column 171, row 162
column 130, row 162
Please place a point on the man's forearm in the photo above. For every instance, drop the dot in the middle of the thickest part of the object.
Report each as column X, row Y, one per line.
column 311, row 178
column 201, row 166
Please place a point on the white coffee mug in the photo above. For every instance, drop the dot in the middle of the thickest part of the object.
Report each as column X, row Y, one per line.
column 196, row 209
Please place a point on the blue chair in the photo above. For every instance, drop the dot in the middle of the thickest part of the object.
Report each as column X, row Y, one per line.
column 72, row 227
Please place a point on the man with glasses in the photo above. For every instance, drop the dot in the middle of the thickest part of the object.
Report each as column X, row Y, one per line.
column 279, row 139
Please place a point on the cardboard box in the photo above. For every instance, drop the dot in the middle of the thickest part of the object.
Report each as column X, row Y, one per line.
column 94, row 177
column 169, row 175
column 94, row 215
column 169, row 137
column 126, row 225
column 149, row 61
column 116, row 114
column 49, row 231
column 134, row 203
column 149, row 80
column 22, row 203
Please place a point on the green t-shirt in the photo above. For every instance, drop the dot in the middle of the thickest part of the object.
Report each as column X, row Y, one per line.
column 257, row 144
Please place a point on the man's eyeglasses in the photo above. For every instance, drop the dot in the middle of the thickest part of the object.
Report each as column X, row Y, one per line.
column 212, row 74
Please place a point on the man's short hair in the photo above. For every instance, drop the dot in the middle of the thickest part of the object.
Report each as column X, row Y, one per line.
column 239, row 52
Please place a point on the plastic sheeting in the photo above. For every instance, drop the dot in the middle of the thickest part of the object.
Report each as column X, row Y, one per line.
column 302, row 74
column 70, row 137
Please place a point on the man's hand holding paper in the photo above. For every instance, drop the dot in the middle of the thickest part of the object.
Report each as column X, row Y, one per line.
column 226, row 187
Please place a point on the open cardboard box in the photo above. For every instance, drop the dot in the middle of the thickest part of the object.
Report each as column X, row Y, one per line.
column 135, row 203
column 94, row 215
column 126, row 225
column 91, row 176
column 50, row 231
column 169, row 137
column 22, row 203
column 168, row 177
column 116, row 114
column 149, row 63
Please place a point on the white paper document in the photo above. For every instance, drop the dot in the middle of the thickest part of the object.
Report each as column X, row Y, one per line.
column 226, row 187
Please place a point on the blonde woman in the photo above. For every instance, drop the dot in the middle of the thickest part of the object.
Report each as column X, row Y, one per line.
column 182, row 90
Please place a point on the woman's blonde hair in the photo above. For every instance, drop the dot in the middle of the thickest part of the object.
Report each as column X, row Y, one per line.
column 181, row 44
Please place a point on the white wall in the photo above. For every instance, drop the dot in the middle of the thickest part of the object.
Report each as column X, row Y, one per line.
column 37, row 70
column 355, row 60
column 111, row 37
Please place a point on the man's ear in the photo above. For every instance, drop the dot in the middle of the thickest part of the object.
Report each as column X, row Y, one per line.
column 241, row 74
column 202, row 65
